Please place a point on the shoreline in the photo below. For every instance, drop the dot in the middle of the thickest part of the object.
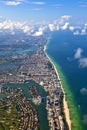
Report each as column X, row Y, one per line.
column 65, row 104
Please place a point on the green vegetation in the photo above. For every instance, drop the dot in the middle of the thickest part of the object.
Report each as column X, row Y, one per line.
column 9, row 117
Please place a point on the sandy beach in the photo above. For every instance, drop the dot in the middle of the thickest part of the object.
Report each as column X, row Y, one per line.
column 66, row 109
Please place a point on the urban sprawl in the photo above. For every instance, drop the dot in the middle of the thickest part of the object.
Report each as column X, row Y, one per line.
column 36, row 66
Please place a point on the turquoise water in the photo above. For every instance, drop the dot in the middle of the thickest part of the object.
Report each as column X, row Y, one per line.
column 18, row 51
column 22, row 51
column 62, row 48
column 8, row 65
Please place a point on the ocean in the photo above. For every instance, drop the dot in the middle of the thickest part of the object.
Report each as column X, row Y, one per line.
column 69, row 54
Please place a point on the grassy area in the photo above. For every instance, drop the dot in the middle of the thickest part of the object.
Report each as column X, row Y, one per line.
column 9, row 117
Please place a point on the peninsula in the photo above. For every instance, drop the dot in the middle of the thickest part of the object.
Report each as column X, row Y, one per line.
column 37, row 66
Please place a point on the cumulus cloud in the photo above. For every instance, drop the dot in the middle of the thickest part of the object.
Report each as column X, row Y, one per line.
column 38, row 33
column 85, row 25
column 83, row 63
column 64, row 18
column 84, row 31
column 11, row 26
column 78, row 53
column 59, row 24
column 65, row 26
column 43, row 28
column 81, row 60
column 26, row 29
column 51, row 27
column 76, row 32
column 8, row 24
column 83, row 91
column 71, row 28
column 79, row 30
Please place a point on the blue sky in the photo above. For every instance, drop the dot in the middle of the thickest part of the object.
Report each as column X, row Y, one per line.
column 40, row 10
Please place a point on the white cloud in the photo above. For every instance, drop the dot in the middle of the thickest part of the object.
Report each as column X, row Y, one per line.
column 13, row 3
column 29, row 27
column 43, row 28
column 83, row 63
column 83, row 32
column 37, row 9
column 25, row 29
column 64, row 18
column 81, row 60
column 18, row 2
column 65, row 26
column 8, row 24
column 71, row 28
column 51, row 27
column 78, row 53
column 61, row 24
column 11, row 26
column 37, row 3
column 38, row 33
column 85, row 25
column 57, row 27
column 79, row 30
column 83, row 91
column 76, row 32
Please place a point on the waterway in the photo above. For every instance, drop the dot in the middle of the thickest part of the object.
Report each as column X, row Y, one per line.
column 41, row 109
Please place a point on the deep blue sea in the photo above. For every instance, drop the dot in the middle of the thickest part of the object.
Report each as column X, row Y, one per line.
column 63, row 47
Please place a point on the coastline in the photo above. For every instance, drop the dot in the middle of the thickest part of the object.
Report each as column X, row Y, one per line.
column 65, row 104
